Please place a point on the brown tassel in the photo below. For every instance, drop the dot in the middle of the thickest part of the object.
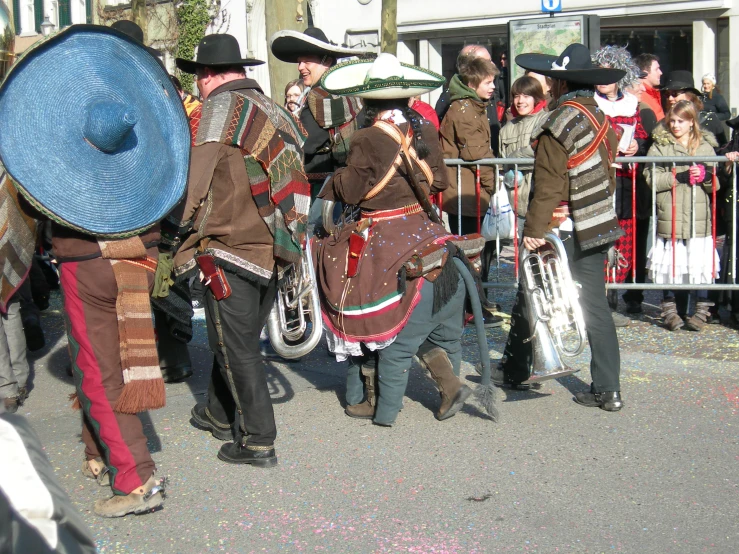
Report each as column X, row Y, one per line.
column 141, row 395
column 75, row 401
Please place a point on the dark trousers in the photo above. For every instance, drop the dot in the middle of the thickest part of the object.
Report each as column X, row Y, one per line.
column 90, row 294
column 605, row 364
column 238, row 392
column 172, row 351
column 640, row 259
column 470, row 226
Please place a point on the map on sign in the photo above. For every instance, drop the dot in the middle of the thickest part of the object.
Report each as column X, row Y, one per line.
column 543, row 36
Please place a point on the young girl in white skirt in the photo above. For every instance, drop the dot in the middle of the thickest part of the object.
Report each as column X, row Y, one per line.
column 695, row 258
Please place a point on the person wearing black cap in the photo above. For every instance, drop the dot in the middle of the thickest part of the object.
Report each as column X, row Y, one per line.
column 243, row 224
column 329, row 120
column 574, row 184
column 679, row 86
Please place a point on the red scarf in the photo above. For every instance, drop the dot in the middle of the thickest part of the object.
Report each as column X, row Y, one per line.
column 540, row 105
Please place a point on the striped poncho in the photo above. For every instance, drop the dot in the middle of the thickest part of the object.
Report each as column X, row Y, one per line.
column 270, row 139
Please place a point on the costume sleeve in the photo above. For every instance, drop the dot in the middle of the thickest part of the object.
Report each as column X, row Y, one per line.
column 435, row 159
column 362, row 172
column 551, row 185
column 203, row 162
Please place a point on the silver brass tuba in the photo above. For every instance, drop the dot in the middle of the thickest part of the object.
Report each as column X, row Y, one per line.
column 297, row 301
column 553, row 310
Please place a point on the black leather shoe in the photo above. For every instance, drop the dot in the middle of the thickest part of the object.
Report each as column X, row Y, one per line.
column 176, row 374
column 203, row 420
column 633, row 307
column 608, row 401
column 260, row 456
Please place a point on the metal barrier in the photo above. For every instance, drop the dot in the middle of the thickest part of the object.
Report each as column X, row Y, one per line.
column 712, row 165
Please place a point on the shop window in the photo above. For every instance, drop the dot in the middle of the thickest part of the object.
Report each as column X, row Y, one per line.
column 672, row 45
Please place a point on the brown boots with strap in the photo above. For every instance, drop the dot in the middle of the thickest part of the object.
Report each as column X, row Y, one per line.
column 701, row 317
column 672, row 319
column 453, row 391
column 146, row 498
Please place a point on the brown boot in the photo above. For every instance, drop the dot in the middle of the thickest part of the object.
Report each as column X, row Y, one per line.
column 366, row 409
column 144, row 499
column 669, row 312
column 96, row 469
column 453, row 392
column 700, row 318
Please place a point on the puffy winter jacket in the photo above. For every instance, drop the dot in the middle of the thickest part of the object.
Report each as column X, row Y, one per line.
column 665, row 144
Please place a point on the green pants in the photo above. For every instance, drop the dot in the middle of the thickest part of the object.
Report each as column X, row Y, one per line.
column 444, row 329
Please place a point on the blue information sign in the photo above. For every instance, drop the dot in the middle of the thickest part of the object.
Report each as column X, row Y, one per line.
column 551, row 6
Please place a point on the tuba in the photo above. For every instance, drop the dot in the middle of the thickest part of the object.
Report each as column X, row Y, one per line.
column 296, row 304
column 553, row 310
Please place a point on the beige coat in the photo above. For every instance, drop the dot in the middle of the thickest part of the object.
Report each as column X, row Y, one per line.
column 661, row 180
column 515, row 142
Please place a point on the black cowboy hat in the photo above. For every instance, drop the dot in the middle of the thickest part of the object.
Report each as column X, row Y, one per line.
column 681, row 80
column 288, row 45
column 216, row 51
column 574, row 65
column 134, row 31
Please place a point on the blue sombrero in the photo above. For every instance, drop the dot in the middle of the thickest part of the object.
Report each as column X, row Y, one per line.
column 94, row 132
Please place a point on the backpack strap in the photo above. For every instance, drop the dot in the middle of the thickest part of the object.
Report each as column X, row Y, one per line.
column 394, row 132
column 600, row 137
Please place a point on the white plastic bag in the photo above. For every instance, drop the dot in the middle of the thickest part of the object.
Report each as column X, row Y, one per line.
column 500, row 221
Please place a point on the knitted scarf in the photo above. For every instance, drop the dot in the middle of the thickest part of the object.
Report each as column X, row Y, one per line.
column 143, row 386
column 272, row 144
column 17, row 240
column 590, row 200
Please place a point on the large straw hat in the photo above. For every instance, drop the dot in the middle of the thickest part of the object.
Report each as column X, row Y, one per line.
column 574, row 64
column 382, row 78
column 94, row 132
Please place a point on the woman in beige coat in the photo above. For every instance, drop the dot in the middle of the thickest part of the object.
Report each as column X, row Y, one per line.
column 695, row 258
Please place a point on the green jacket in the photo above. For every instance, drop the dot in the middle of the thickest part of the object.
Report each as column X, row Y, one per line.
column 660, row 178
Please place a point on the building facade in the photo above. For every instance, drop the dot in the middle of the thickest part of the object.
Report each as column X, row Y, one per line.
column 696, row 35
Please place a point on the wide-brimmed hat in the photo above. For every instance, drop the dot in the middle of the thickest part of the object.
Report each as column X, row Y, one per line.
column 134, row 31
column 109, row 158
column 216, row 51
column 382, row 78
column 574, row 65
column 289, row 45
column 680, row 80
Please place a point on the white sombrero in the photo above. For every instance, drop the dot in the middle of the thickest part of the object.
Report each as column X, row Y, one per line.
column 383, row 78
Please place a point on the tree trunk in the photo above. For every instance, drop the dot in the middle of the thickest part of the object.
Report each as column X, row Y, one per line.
column 389, row 27
column 281, row 15
column 138, row 16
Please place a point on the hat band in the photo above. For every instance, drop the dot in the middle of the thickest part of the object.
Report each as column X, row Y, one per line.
column 369, row 80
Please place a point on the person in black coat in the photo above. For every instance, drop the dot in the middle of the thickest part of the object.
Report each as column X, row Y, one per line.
column 679, row 86
column 713, row 100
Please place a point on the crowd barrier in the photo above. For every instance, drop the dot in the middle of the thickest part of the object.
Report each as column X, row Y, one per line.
column 713, row 168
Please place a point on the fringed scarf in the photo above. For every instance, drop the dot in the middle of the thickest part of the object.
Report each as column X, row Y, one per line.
column 336, row 114
column 267, row 133
column 143, row 386
column 17, row 240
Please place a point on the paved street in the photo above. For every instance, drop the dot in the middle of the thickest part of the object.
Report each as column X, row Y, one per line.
column 659, row 477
